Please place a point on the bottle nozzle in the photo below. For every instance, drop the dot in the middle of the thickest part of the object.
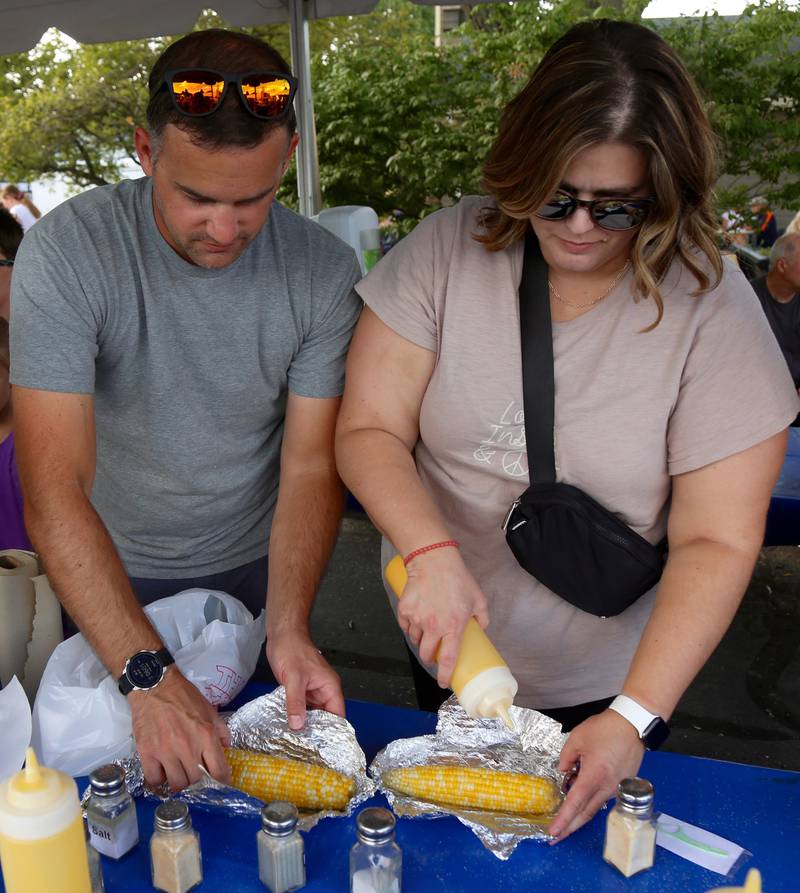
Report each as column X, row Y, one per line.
column 502, row 712
column 32, row 773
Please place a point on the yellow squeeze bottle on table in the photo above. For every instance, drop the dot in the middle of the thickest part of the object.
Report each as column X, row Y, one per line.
column 482, row 681
column 42, row 842
column 752, row 884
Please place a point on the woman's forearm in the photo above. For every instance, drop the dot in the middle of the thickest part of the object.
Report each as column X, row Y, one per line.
column 379, row 470
column 699, row 594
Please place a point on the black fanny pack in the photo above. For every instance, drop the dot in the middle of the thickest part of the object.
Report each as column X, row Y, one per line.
column 573, row 545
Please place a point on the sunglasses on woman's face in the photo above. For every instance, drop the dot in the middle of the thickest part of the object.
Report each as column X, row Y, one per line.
column 609, row 213
column 197, row 92
column 6, row 263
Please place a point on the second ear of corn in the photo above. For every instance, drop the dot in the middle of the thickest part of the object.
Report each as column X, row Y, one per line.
column 476, row 788
column 271, row 778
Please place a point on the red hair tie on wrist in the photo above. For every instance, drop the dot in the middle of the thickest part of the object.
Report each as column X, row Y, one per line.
column 412, row 555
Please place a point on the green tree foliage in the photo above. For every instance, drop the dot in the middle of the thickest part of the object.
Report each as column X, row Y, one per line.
column 749, row 72
column 402, row 123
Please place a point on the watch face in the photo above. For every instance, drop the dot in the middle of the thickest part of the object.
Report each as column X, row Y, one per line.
column 655, row 734
column 144, row 670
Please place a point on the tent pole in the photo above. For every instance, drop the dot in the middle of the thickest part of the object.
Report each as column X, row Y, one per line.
column 307, row 165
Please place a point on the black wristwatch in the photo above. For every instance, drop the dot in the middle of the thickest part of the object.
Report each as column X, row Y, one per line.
column 652, row 729
column 144, row 670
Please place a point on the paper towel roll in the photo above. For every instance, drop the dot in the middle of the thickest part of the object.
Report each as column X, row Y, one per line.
column 17, row 606
column 30, row 620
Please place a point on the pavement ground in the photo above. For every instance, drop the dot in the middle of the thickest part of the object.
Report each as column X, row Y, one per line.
column 744, row 705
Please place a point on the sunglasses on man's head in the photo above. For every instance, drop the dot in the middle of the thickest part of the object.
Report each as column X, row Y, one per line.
column 197, row 92
column 609, row 213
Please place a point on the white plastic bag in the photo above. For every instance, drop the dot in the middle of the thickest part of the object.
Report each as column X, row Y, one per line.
column 80, row 719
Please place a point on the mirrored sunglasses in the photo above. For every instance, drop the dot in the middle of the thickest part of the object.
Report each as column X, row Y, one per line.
column 609, row 213
column 6, row 263
column 196, row 92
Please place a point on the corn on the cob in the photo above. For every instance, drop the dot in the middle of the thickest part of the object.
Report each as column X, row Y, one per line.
column 270, row 778
column 477, row 788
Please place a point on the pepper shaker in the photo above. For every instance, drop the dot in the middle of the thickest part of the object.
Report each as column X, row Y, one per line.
column 630, row 829
column 175, row 857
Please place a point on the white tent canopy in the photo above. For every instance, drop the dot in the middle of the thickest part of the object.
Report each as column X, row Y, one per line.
column 23, row 22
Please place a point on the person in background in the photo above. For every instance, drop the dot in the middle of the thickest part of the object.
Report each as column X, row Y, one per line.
column 765, row 227
column 12, row 525
column 176, row 385
column 671, row 398
column 779, row 295
column 23, row 209
column 10, row 237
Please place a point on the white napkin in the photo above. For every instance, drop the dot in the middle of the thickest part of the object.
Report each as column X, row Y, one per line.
column 697, row 845
column 15, row 722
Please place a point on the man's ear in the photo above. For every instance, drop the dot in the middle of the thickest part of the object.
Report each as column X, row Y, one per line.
column 144, row 149
column 290, row 151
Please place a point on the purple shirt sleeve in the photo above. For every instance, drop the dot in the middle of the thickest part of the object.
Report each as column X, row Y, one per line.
column 12, row 526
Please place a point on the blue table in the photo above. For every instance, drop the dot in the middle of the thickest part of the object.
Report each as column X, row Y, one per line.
column 757, row 808
column 783, row 519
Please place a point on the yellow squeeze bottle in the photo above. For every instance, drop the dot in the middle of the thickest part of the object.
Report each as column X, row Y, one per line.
column 482, row 681
column 42, row 843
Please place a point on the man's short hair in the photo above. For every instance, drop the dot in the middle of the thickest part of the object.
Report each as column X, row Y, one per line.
column 786, row 246
column 10, row 234
column 219, row 50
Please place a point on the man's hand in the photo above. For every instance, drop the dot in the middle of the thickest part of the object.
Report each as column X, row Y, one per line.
column 308, row 678
column 608, row 749
column 175, row 729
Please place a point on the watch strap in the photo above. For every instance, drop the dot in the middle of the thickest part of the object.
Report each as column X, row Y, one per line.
column 652, row 729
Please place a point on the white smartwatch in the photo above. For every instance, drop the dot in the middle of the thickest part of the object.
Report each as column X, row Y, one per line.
column 652, row 729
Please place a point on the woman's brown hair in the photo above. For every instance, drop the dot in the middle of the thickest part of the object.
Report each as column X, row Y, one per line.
column 608, row 81
column 12, row 191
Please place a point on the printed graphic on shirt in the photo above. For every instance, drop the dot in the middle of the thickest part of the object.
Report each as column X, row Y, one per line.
column 504, row 446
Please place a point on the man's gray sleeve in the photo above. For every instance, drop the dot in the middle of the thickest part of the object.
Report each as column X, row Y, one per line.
column 317, row 369
column 53, row 327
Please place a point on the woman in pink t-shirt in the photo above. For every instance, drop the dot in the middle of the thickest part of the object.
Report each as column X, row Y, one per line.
column 671, row 398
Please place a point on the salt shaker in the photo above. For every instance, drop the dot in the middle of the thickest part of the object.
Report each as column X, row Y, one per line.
column 630, row 830
column 281, row 854
column 111, row 813
column 376, row 861
column 175, row 857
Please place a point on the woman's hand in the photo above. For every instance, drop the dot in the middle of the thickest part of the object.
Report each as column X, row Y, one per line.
column 607, row 748
column 439, row 598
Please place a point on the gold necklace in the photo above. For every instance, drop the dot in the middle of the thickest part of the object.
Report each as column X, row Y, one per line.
column 614, row 282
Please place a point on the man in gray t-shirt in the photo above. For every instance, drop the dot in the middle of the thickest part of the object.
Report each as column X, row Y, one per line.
column 178, row 347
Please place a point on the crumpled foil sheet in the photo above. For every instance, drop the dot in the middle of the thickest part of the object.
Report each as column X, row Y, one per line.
column 533, row 748
column 260, row 725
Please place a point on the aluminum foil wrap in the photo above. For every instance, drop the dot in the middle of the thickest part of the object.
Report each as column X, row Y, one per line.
column 533, row 748
column 261, row 725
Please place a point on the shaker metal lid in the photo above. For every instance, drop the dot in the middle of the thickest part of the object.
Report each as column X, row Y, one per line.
column 635, row 793
column 375, row 824
column 279, row 817
column 172, row 815
column 107, row 780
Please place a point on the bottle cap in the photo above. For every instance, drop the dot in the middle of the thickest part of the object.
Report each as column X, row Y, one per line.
column 375, row 825
column 173, row 815
column 107, row 781
column 37, row 802
column 279, row 818
column 635, row 794
column 489, row 694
